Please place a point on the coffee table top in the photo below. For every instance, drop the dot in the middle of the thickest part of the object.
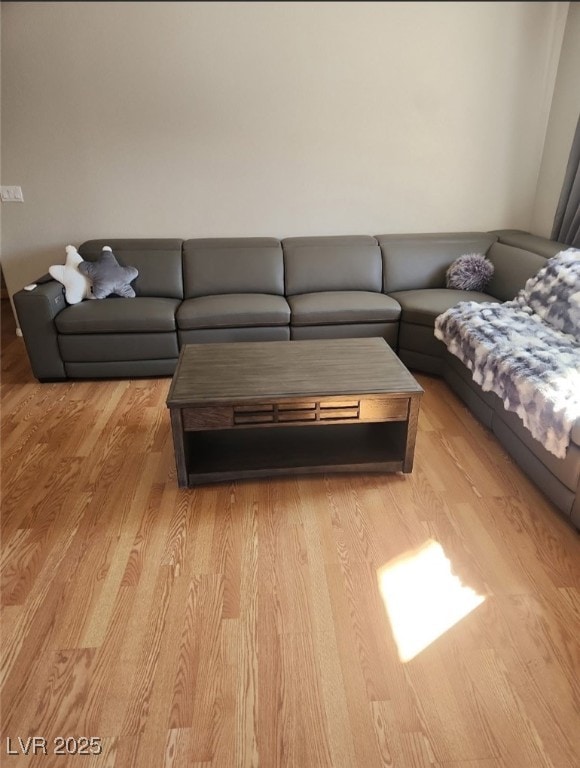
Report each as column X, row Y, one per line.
column 243, row 371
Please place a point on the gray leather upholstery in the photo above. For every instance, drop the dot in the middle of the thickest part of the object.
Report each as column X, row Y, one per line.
column 116, row 315
column 334, row 285
column 125, row 369
column 36, row 312
column 512, row 267
column 420, row 261
column 528, row 461
column 235, row 310
column 417, row 346
column 529, row 242
column 575, row 436
column 218, row 335
column 158, row 262
column 566, row 470
column 105, row 347
column 418, row 361
column 388, row 331
column 575, row 513
column 423, row 306
column 419, row 338
column 348, row 263
column 459, row 379
column 340, row 307
column 233, row 265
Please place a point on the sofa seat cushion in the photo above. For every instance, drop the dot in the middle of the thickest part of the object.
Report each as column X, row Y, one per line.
column 116, row 315
column 233, row 310
column 423, row 306
column 331, row 307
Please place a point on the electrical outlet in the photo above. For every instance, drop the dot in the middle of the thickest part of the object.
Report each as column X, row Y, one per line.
column 11, row 194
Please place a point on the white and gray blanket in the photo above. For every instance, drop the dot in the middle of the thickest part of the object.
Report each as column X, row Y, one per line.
column 527, row 350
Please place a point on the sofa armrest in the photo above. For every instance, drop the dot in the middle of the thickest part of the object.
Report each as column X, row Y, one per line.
column 36, row 311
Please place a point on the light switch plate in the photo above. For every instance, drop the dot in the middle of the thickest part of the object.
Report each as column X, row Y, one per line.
column 11, row 194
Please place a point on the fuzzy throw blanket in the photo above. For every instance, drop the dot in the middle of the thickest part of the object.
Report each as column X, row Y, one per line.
column 527, row 350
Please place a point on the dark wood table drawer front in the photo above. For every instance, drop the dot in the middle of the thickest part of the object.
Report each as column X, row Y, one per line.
column 245, row 415
column 297, row 412
column 256, row 413
column 391, row 409
column 261, row 414
column 208, row 417
column 339, row 410
column 289, row 416
column 243, row 419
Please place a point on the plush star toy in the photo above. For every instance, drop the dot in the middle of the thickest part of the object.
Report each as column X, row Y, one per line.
column 109, row 276
column 76, row 285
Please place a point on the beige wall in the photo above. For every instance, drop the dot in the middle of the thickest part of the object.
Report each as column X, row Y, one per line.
column 564, row 114
column 202, row 119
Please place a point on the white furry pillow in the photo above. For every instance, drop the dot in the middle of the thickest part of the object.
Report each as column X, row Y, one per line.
column 470, row 272
column 76, row 285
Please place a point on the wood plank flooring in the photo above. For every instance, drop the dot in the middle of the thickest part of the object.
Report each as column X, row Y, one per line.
column 249, row 624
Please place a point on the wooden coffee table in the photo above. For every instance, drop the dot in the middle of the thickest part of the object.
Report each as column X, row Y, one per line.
column 257, row 409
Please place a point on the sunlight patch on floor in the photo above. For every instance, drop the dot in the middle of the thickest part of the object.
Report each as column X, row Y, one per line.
column 423, row 597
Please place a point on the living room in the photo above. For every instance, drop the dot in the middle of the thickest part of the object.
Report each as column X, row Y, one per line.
column 262, row 622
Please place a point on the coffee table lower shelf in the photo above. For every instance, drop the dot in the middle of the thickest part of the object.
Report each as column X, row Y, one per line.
column 232, row 454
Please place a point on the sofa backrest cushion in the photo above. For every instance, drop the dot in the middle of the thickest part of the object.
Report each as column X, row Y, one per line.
column 341, row 263
column 512, row 268
column 413, row 262
column 157, row 260
column 213, row 266
column 529, row 242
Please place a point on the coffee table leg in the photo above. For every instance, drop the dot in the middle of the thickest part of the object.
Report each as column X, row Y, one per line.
column 413, row 419
column 179, row 447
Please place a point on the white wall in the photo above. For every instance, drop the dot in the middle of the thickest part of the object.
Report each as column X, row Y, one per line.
column 561, row 127
column 202, row 119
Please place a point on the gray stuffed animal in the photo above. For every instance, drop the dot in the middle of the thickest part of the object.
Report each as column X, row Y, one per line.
column 108, row 276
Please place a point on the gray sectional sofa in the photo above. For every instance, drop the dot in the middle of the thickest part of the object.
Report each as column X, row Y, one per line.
column 248, row 289
column 251, row 289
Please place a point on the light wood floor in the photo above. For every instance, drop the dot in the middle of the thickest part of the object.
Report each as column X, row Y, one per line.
column 245, row 625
